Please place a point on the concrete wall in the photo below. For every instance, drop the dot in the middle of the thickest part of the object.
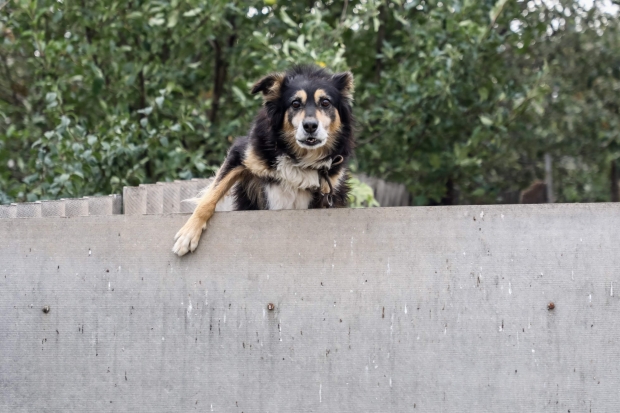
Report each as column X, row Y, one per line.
column 439, row 309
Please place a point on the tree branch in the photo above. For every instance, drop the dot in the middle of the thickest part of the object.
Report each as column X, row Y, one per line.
column 343, row 15
column 490, row 26
column 379, row 44
column 9, row 78
column 90, row 34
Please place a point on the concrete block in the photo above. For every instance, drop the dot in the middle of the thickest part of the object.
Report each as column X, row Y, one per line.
column 154, row 198
column 117, row 204
column 105, row 205
column 53, row 208
column 8, row 211
column 171, row 194
column 134, row 200
column 226, row 204
column 29, row 210
column 76, row 207
column 202, row 183
column 188, row 190
column 439, row 309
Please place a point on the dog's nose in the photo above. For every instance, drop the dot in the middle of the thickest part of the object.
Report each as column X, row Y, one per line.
column 310, row 125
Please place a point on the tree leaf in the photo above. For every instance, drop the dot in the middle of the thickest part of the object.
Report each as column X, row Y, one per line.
column 486, row 120
column 192, row 12
column 286, row 18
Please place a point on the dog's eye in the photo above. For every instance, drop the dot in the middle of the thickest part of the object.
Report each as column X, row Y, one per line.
column 325, row 103
column 296, row 104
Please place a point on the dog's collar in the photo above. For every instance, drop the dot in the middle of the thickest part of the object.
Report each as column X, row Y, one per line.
column 324, row 163
column 328, row 162
column 328, row 198
column 337, row 160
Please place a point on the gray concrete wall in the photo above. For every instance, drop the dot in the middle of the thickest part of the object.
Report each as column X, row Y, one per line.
column 439, row 309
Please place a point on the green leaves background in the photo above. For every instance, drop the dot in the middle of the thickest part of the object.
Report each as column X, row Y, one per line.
column 452, row 97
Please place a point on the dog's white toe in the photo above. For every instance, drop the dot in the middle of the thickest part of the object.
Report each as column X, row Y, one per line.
column 186, row 240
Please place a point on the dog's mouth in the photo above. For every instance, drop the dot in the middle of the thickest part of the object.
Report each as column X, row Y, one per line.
column 310, row 141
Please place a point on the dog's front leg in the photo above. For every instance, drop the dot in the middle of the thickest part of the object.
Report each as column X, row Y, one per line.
column 187, row 238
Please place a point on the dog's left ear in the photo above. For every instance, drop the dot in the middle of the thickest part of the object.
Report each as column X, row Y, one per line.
column 270, row 86
column 344, row 83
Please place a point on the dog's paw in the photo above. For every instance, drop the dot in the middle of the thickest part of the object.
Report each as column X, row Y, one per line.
column 186, row 240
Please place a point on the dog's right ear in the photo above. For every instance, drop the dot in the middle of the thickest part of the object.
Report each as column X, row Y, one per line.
column 344, row 83
column 270, row 86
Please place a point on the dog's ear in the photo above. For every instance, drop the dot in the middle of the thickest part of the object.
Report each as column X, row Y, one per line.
column 270, row 86
column 344, row 83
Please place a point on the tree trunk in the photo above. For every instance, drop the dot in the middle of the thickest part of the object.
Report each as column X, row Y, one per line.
column 220, row 69
column 219, row 75
column 451, row 196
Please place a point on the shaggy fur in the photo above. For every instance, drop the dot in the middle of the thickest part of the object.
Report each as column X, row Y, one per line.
column 295, row 154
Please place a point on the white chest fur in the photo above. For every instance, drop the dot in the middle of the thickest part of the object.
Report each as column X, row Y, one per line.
column 284, row 197
column 294, row 188
column 296, row 177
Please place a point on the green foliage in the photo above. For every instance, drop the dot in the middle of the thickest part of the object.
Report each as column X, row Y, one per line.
column 451, row 96
column 361, row 194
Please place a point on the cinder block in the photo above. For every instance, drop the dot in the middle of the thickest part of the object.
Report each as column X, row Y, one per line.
column 202, row 183
column 134, row 200
column 53, row 208
column 154, row 198
column 188, row 190
column 29, row 210
column 76, row 207
column 171, row 197
column 8, row 211
column 117, row 204
column 226, row 204
column 104, row 205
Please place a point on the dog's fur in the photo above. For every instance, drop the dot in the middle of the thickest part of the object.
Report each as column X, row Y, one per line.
column 301, row 139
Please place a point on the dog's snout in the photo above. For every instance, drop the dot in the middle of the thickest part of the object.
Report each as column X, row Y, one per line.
column 310, row 125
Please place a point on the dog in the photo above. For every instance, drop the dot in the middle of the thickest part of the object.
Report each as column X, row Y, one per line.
column 295, row 155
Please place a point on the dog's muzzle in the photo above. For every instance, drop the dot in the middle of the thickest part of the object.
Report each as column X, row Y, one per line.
column 311, row 134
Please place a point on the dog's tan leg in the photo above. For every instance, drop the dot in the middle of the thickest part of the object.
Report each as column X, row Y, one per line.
column 187, row 238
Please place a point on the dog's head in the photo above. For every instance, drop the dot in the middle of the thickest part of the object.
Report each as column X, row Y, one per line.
column 309, row 105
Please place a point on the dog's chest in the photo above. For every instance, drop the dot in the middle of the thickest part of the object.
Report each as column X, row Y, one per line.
column 296, row 177
column 284, row 197
column 294, row 187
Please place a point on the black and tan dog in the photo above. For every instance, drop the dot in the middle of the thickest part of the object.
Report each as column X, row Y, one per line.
column 296, row 153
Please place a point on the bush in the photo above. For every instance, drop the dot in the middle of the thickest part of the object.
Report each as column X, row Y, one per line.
column 451, row 96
